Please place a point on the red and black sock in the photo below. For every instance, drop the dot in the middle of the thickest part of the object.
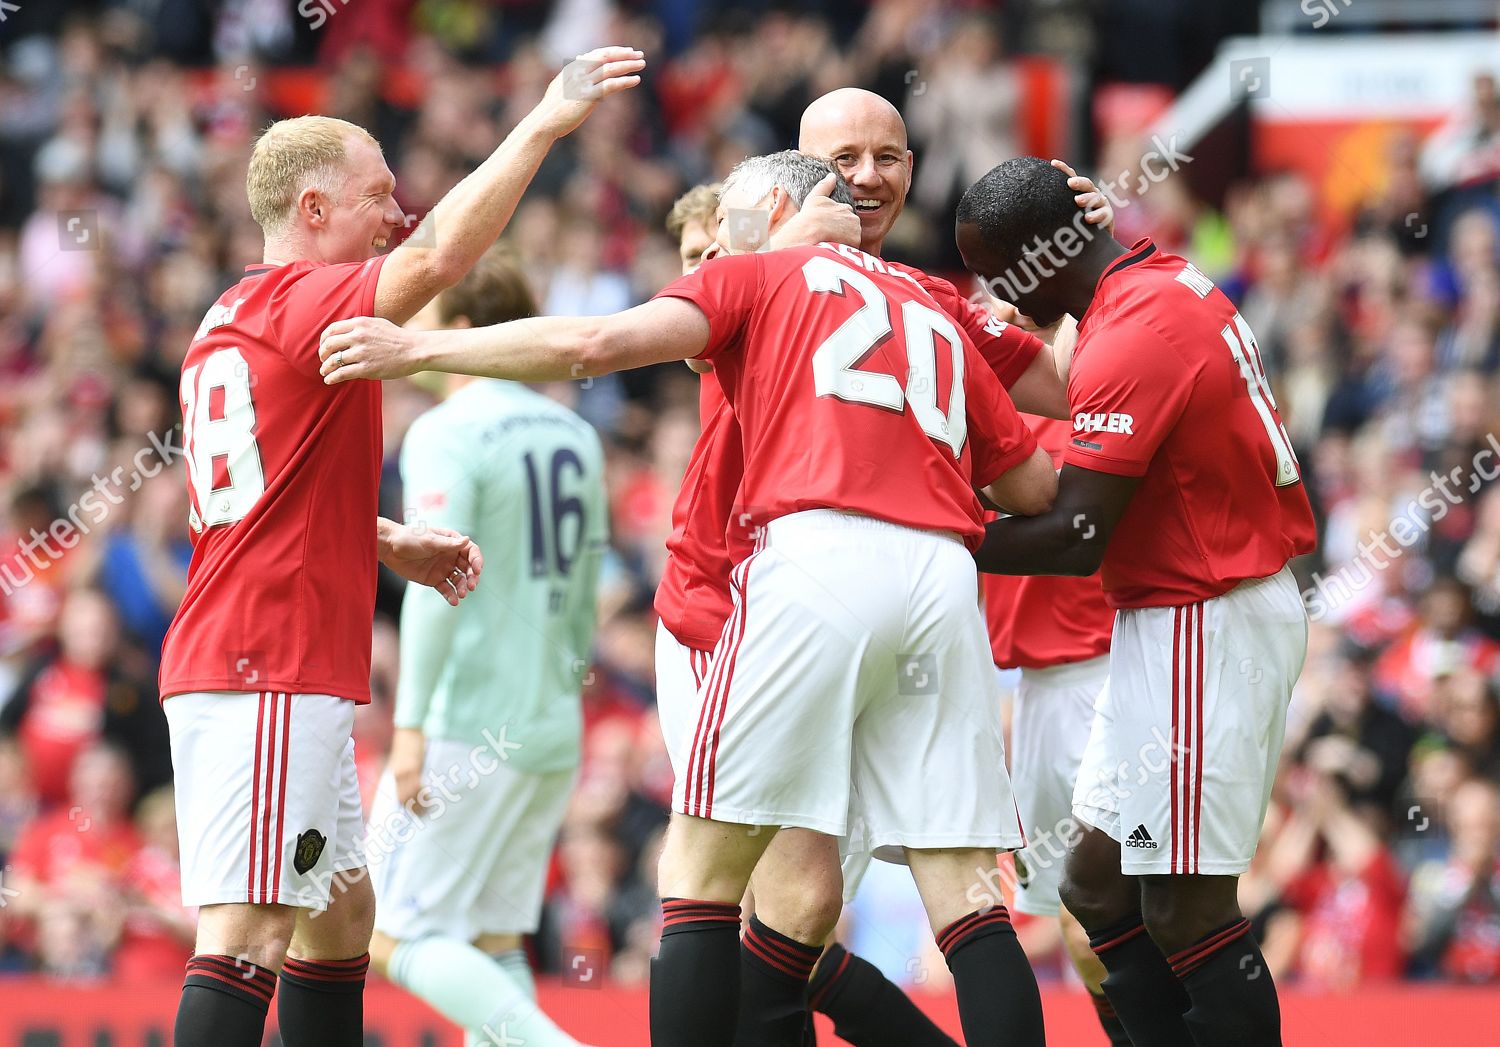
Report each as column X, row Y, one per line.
column 867, row 1009
column 695, row 978
column 998, row 1001
column 1147, row 998
column 1233, row 997
column 224, row 1001
column 1110, row 1021
column 774, row 970
column 322, row 1002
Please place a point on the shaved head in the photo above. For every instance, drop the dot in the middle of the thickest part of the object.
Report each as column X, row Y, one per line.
column 864, row 136
column 838, row 112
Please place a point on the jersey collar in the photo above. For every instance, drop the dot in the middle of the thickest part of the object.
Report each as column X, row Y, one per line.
column 1141, row 250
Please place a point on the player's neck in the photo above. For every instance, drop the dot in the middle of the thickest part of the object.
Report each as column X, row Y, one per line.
column 1090, row 266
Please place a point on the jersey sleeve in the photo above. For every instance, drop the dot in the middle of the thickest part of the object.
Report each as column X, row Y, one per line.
column 1128, row 388
column 999, row 438
column 726, row 290
column 440, row 490
column 1006, row 348
column 309, row 301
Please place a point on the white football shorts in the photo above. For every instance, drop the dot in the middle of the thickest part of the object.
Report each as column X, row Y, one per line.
column 268, row 802
column 1187, row 735
column 472, row 861
column 680, row 672
column 1054, row 711
column 853, row 693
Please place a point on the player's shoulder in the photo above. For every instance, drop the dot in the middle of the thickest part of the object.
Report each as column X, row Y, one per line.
column 944, row 291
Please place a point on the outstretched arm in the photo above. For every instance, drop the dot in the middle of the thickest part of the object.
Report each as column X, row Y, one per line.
column 466, row 221
column 537, row 349
column 1070, row 539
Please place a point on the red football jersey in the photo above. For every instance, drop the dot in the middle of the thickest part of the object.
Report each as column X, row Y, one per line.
column 1008, row 349
column 283, row 473
column 1040, row 621
column 848, row 382
column 693, row 598
column 1167, row 385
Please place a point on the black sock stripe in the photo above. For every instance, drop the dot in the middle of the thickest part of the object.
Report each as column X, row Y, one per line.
column 255, row 995
column 240, row 970
column 966, row 928
column 789, row 948
column 1117, row 933
column 829, row 975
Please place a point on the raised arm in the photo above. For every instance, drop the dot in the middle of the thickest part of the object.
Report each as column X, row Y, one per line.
column 467, row 220
column 537, row 349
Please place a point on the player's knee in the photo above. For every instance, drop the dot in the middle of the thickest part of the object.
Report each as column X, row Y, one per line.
column 1093, row 889
column 807, row 909
column 1181, row 910
column 258, row 934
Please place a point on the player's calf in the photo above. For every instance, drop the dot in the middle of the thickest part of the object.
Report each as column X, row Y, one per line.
column 1196, row 921
column 232, row 975
column 998, row 1001
column 1143, row 993
column 320, row 998
column 695, row 978
column 798, row 891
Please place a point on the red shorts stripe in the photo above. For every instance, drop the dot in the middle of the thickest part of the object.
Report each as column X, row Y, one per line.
column 260, row 717
column 693, row 790
column 1198, row 750
column 286, row 732
column 727, row 680
column 1176, row 760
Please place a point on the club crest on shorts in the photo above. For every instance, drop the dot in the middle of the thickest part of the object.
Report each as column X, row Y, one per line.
column 309, row 850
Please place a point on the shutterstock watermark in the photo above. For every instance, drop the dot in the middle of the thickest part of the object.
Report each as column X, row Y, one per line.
column 1429, row 507
column 1324, row 11
column 1043, row 259
column 41, row 549
column 440, row 793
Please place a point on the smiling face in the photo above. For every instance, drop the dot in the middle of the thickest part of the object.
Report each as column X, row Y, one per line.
column 865, row 138
column 360, row 221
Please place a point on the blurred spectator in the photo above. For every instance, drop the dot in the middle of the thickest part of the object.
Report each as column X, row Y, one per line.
column 70, row 867
column 1360, row 744
column 1452, row 924
column 1466, row 150
column 82, row 694
column 1342, row 887
column 1442, row 641
column 157, row 936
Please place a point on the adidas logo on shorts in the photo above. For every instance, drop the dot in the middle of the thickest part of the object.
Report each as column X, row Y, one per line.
column 1140, row 838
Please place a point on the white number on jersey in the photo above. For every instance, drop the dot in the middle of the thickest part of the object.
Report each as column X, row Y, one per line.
column 836, row 370
column 1241, row 342
column 229, row 438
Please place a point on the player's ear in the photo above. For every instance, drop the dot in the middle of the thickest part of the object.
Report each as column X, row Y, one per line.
column 781, row 205
column 312, row 205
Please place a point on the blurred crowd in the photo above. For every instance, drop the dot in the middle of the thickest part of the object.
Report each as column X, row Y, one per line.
column 123, row 143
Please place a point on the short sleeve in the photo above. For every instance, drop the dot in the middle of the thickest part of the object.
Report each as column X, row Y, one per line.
column 438, row 478
column 1006, row 348
column 999, row 438
column 1127, row 388
column 310, row 300
column 726, row 290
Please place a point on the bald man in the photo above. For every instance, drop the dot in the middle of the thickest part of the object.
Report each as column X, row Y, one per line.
column 797, row 883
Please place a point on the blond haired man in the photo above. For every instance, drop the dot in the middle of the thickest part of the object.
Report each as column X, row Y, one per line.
column 269, row 654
